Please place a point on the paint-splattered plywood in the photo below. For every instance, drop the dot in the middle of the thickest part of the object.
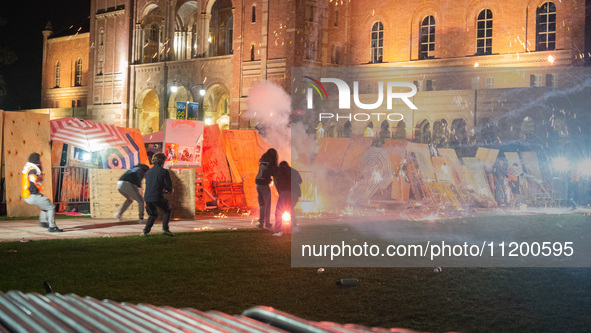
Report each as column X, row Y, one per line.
column 215, row 165
column 24, row 133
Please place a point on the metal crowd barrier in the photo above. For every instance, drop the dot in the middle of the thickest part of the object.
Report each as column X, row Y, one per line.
column 54, row 312
column 70, row 185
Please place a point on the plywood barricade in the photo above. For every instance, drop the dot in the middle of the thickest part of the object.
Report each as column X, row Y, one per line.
column 479, row 182
column 105, row 199
column 453, row 162
column 357, row 147
column 488, row 157
column 396, row 150
column 331, row 153
column 423, row 159
column 24, row 133
column 214, row 163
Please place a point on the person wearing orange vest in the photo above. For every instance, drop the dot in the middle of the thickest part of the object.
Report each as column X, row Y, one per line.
column 31, row 192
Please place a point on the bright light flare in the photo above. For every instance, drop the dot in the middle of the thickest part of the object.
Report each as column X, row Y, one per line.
column 86, row 157
column 584, row 167
column 560, row 164
column 286, row 217
column 551, row 59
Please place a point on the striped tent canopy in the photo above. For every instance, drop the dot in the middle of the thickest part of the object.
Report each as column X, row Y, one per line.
column 88, row 135
column 376, row 174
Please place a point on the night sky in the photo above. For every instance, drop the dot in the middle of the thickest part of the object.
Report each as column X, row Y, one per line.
column 22, row 35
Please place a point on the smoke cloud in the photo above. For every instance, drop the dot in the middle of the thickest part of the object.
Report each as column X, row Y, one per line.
column 270, row 105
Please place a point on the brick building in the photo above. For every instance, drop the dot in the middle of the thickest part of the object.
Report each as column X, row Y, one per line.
column 144, row 56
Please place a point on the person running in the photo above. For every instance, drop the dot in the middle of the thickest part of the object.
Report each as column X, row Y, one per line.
column 500, row 177
column 267, row 169
column 158, row 182
column 287, row 183
column 31, row 192
column 130, row 186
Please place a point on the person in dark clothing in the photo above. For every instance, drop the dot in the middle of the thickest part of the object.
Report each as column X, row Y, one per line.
column 129, row 185
column 514, row 173
column 500, row 176
column 267, row 169
column 572, row 190
column 158, row 182
column 287, row 183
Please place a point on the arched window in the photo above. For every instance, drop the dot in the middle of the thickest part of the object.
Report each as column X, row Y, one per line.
column 427, row 38
column 154, row 33
column 252, row 52
column 101, row 36
column 377, row 42
column 57, row 75
column 254, row 14
column 484, row 31
column 78, row 75
column 546, row 27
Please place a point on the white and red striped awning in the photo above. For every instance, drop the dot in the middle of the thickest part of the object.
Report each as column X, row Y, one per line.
column 87, row 135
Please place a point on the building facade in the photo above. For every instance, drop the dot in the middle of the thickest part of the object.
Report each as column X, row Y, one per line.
column 145, row 56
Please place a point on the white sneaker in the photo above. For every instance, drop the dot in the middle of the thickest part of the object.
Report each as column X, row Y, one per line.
column 117, row 216
column 278, row 234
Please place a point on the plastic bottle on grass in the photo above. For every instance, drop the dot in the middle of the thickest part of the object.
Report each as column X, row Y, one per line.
column 347, row 282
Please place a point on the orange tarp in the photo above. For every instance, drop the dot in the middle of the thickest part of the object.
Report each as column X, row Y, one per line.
column 243, row 153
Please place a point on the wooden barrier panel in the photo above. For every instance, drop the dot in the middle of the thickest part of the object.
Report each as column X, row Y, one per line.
column 331, row 153
column 488, row 157
column 105, row 199
column 24, row 133
column 214, row 163
column 357, row 147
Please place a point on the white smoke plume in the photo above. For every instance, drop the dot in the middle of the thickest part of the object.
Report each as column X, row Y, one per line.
column 270, row 105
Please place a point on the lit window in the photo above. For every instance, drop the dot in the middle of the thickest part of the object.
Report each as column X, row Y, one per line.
column 484, row 32
column 377, row 42
column 78, row 79
column 57, row 75
column 546, row 27
column 99, row 67
column 535, row 80
column 427, row 38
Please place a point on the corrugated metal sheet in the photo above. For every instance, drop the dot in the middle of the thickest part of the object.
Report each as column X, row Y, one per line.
column 20, row 312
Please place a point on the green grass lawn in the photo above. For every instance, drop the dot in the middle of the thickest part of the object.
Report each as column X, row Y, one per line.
column 231, row 271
